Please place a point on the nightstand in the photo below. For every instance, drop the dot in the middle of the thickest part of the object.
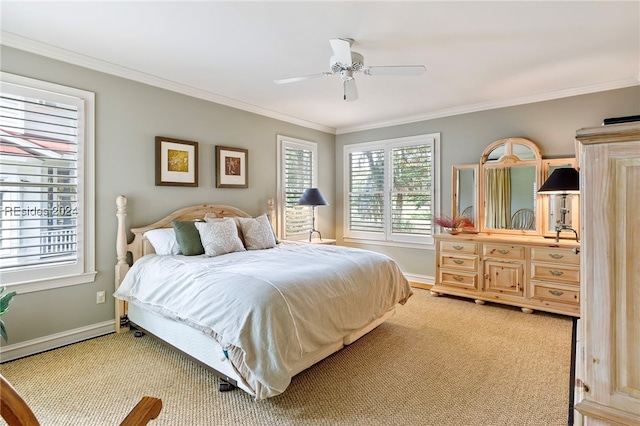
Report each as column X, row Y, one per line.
column 325, row 241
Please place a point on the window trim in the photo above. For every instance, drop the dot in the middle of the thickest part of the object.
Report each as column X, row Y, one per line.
column 284, row 142
column 387, row 237
column 40, row 278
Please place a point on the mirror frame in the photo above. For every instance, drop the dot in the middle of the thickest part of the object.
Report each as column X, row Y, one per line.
column 545, row 211
column 510, row 160
column 454, row 190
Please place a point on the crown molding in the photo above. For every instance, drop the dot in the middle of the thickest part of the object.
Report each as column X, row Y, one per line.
column 43, row 49
column 618, row 84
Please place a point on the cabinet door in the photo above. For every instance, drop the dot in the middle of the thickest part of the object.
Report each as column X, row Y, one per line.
column 503, row 278
column 610, row 294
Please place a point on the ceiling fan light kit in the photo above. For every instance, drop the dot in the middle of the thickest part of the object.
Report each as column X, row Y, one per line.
column 347, row 62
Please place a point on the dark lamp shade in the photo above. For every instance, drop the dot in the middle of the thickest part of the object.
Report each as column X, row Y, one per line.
column 312, row 197
column 565, row 180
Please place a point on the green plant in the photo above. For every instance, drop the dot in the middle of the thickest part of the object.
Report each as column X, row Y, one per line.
column 4, row 307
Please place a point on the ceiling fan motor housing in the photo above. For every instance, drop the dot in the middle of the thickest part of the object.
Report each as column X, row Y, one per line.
column 356, row 65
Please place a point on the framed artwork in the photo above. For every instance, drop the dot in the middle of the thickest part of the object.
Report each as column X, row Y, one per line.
column 176, row 162
column 232, row 166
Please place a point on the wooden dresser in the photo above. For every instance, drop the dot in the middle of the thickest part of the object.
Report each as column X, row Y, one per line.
column 533, row 273
column 608, row 361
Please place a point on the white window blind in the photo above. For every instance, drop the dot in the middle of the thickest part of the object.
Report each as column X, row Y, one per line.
column 297, row 172
column 366, row 190
column 390, row 189
column 43, row 199
column 411, row 206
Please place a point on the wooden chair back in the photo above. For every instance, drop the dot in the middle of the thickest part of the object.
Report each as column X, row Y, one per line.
column 16, row 412
column 522, row 219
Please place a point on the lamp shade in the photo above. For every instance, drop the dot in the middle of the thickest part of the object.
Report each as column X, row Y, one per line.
column 565, row 180
column 312, row 197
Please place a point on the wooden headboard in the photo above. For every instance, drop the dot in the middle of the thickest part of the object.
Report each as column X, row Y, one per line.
column 140, row 246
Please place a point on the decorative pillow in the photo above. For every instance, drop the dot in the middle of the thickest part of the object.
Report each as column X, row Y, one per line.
column 188, row 237
column 219, row 237
column 209, row 217
column 258, row 233
column 163, row 241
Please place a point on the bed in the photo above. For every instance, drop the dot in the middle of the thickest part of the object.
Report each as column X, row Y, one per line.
column 256, row 316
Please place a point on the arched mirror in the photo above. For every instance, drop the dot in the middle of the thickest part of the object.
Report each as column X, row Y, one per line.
column 509, row 180
column 465, row 194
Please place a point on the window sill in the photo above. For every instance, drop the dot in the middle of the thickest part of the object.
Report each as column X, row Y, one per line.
column 51, row 283
column 400, row 244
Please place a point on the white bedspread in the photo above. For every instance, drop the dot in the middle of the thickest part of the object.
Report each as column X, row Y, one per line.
column 268, row 308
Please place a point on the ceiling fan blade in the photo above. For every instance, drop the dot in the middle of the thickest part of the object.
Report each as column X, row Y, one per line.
column 302, row 78
column 350, row 90
column 341, row 50
column 396, row 70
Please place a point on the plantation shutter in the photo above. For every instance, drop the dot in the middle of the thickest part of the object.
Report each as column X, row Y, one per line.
column 298, row 176
column 39, row 181
column 391, row 186
column 366, row 191
column 411, row 195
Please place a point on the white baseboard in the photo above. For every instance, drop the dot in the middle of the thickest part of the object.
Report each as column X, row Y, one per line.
column 53, row 341
column 420, row 279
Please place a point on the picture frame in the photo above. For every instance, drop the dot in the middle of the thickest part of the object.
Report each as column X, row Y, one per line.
column 176, row 162
column 232, row 167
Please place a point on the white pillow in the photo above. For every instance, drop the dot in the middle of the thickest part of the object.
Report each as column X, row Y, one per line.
column 257, row 232
column 163, row 241
column 219, row 237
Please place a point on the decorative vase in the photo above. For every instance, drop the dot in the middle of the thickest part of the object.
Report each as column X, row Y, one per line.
column 453, row 231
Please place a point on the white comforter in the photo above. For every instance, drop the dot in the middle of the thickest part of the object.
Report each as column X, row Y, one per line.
column 268, row 308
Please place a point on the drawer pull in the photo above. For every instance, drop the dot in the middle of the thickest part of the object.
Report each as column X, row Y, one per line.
column 555, row 273
column 556, row 292
column 503, row 251
column 556, row 256
column 458, row 247
column 458, row 261
column 458, row 278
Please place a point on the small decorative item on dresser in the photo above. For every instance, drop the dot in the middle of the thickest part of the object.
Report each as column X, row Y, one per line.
column 453, row 225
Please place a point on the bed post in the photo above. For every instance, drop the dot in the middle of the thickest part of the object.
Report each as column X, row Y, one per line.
column 122, row 266
column 271, row 213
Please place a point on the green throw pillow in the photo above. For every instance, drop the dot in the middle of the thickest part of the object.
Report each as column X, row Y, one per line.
column 188, row 237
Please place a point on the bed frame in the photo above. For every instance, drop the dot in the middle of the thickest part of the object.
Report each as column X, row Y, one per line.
column 194, row 344
column 140, row 246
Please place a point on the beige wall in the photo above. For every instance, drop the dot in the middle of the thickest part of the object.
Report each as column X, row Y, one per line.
column 551, row 125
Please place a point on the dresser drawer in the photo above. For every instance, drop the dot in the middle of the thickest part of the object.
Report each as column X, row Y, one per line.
column 544, row 291
column 455, row 279
column 552, row 255
column 556, row 273
column 503, row 251
column 462, row 263
column 463, row 247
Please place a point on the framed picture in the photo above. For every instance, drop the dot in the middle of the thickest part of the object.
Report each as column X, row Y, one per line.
column 176, row 162
column 232, row 166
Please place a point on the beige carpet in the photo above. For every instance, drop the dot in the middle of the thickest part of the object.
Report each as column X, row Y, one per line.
column 438, row 361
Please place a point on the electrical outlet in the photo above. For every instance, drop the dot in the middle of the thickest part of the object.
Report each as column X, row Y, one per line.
column 101, row 297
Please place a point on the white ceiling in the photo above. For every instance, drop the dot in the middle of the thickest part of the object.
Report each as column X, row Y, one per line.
column 479, row 55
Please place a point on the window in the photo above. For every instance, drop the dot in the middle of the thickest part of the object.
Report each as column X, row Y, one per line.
column 390, row 189
column 46, row 155
column 297, row 171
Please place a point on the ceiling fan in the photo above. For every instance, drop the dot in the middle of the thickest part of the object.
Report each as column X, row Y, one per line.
column 347, row 62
